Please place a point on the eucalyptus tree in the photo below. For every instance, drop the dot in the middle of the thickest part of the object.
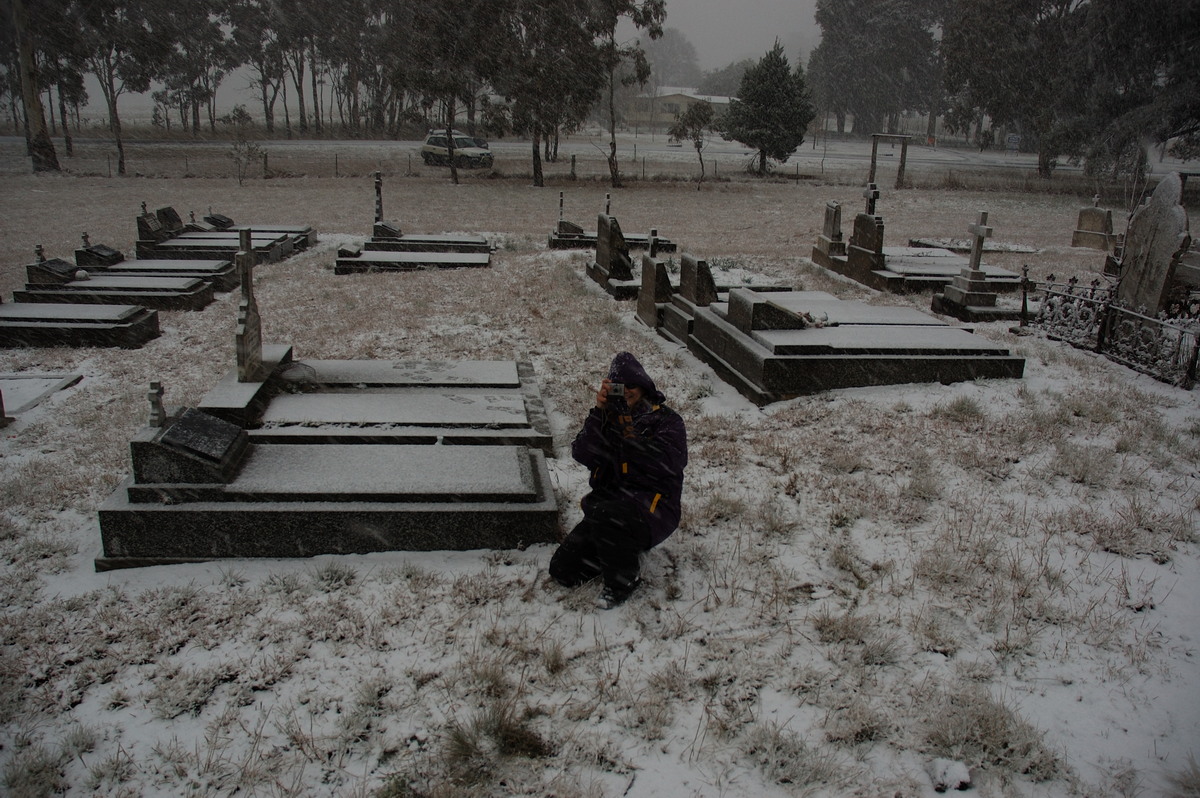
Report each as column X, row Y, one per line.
column 876, row 59
column 772, row 109
column 694, row 125
column 126, row 44
column 60, row 61
column 1017, row 62
column 647, row 15
column 202, row 53
column 255, row 32
column 544, row 68
column 449, row 58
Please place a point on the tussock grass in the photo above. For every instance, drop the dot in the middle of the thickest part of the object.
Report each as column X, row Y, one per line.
column 786, row 758
column 966, row 723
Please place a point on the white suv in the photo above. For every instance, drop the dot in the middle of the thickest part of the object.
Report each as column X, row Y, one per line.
column 468, row 154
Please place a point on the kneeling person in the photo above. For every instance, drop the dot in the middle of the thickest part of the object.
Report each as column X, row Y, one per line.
column 636, row 449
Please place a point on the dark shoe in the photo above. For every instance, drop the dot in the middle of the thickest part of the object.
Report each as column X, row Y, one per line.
column 616, row 595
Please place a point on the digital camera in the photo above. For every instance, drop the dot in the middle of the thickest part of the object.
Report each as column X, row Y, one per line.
column 616, row 389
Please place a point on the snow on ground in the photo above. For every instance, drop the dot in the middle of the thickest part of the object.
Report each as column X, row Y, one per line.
column 1003, row 573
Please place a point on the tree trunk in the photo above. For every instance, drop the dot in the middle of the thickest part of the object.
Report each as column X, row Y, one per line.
column 762, row 162
column 700, row 155
column 316, row 94
column 62, row 113
column 841, row 121
column 614, row 168
column 195, row 117
column 287, row 116
column 298, row 80
column 41, row 148
column 538, row 180
column 1045, row 164
column 50, row 105
column 114, row 123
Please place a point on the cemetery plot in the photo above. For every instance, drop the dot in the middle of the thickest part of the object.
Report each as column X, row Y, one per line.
column 25, row 391
column 295, row 459
column 163, row 235
column 339, row 457
column 303, row 236
column 38, row 324
column 159, row 293
column 98, row 258
column 865, row 259
column 971, row 295
column 670, row 309
column 778, row 346
column 568, row 235
column 390, row 249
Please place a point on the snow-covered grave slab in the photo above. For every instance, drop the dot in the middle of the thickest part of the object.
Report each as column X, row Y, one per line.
column 25, row 391
column 201, row 490
column 781, row 345
column 56, row 324
column 219, row 273
column 98, row 259
column 151, row 291
column 356, row 260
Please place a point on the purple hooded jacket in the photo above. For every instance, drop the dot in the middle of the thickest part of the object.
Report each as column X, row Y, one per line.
column 646, row 468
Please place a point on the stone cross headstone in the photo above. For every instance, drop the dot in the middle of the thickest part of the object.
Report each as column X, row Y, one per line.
column 653, row 247
column 560, row 207
column 871, row 194
column 86, row 241
column 1156, row 237
column 979, row 231
column 158, row 415
column 607, row 204
column 248, row 339
column 970, row 288
column 40, row 252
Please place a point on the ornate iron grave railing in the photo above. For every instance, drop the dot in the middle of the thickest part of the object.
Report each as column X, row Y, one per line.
column 1089, row 317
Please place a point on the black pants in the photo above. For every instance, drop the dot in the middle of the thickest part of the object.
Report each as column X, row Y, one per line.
column 607, row 543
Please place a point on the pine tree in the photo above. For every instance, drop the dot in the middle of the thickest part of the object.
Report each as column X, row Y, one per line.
column 772, row 109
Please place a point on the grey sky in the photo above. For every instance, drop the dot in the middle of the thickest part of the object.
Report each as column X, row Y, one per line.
column 725, row 31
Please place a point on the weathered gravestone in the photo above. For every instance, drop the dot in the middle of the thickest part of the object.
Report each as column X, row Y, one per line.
column 613, row 267
column 1094, row 229
column 1156, row 239
column 655, row 292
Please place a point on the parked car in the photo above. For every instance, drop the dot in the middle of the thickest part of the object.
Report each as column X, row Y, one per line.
column 469, row 152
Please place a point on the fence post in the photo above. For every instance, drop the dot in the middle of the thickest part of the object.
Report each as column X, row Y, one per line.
column 572, row 166
column 335, row 166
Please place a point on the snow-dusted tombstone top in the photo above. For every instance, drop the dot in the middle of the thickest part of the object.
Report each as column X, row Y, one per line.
column 1157, row 235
